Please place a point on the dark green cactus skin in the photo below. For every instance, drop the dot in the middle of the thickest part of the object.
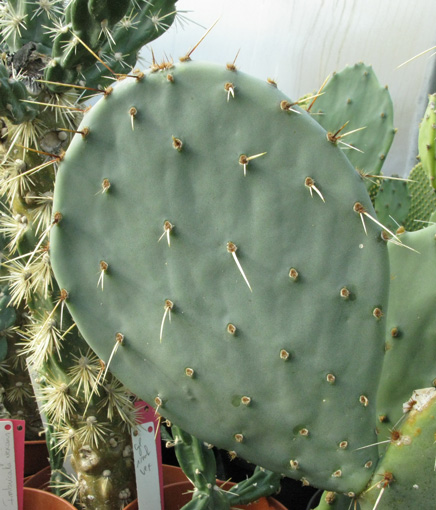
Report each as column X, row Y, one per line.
column 31, row 25
column 197, row 461
column 17, row 400
column 7, row 319
column 355, row 95
column 101, row 26
column 427, row 140
column 3, row 349
column 297, row 339
column 68, row 39
column 373, row 190
column 422, row 200
column 411, row 324
column 392, row 203
column 11, row 94
column 7, row 313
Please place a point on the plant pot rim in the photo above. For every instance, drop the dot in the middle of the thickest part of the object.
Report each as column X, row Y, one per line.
column 187, row 485
column 43, row 500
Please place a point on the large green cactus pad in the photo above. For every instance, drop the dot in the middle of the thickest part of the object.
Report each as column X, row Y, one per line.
column 284, row 372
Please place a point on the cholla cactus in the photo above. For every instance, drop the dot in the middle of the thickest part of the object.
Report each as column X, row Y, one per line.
column 55, row 54
column 197, row 461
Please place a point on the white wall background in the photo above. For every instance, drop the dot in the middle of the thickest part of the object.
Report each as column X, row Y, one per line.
column 299, row 42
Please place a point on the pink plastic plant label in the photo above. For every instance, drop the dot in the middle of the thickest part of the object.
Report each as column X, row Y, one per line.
column 147, row 455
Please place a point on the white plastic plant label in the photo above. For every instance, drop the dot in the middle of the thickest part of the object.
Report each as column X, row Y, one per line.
column 8, row 480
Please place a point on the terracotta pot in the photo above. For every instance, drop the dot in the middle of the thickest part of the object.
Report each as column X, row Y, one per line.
column 39, row 480
column 34, row 499
column 176, row 495
column 172, row 474
column 35, row 456
column 176, row 491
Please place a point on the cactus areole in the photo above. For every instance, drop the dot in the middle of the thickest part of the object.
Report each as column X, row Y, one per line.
column 209, row 223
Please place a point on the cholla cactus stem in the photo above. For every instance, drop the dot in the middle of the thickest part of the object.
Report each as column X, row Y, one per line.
column 52, row 8
column 11, row 22
column 96, row 56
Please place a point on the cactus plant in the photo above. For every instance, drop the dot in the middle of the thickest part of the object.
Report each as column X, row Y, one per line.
column 69, row 40
column 407, row 203
column 16, row 393
column 52, row 58
column 188, row 217
column 7, row 320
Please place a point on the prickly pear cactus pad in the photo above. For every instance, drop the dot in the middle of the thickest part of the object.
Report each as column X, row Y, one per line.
column 208, row 251
column 354, row 95
column 392, row 203
column 410, row 327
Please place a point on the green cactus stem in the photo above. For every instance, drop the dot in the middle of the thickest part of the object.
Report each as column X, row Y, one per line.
column 427, row 141
column 197, row 461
